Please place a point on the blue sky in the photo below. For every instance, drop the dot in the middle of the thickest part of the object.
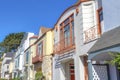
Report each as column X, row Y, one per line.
column 29, row 15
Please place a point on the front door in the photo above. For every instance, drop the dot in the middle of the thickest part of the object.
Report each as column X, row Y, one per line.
column 72, row 74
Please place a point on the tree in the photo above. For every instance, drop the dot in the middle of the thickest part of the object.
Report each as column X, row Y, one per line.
column 11, row 42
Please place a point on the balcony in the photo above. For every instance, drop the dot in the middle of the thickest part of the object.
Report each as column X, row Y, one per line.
column 64, row 45
column 90, row 34
column 36, row 59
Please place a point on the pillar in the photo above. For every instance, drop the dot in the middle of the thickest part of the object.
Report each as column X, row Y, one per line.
column 90, row 75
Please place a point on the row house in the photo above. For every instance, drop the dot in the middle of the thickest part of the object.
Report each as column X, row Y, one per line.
column 76, row 32
column 109, row 43
column 38, row 56
column 18, row 68
column 42, row 58
column 77, row 48
column 5, row 65
column 101, row 54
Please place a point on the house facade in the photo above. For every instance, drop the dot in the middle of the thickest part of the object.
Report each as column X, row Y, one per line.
column 76, row 31
column 100, row 55
column 29, row 67
column 19, row 56
column 103, row 50
column 5, row 65
column 42, row 56
column 77, row 48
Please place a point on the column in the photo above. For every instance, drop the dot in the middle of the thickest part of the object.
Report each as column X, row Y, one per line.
column 90, row 75
column 79, row 68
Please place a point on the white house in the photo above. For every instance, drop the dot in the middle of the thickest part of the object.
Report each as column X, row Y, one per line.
column 5, row 65
column 76, row 31
column 19, row 57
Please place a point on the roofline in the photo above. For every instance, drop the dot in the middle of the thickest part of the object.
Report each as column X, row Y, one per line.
column 29, row 47
column 33, row 37
column 38, row 39
column 116, row 45
column 75, row 5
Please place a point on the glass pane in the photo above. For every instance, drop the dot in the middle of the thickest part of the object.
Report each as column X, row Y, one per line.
column 40, row 49
column 73, row 32
column 66, row 21
column 27, row 57
column 67, row 35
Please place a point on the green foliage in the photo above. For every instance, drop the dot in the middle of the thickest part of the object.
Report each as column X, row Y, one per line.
column 2, row 79
column 11, row 42
column 10, row 79
column 1, row 59
column 116, row 59
column 16, row 79
column 39, row 75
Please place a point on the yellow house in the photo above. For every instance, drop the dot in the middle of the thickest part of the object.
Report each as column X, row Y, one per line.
column 44, row 48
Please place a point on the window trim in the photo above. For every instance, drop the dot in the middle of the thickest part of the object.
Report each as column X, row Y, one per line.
column 99, row 22
column 62, row 25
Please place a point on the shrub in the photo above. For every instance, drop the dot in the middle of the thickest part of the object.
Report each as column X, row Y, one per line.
column 39, row 76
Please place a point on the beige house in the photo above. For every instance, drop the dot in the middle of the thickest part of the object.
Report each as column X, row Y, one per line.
column 42, row 56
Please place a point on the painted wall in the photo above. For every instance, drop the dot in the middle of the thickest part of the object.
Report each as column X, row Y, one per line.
column 47, row 71
column 4, row 66
column 84, row 20
column 11, row 65
column 112, row 70
column 111, row 13
column 49, row 43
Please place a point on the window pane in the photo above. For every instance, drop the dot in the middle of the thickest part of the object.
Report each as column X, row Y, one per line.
column 66, row 21
column 40, row 49
column 27, row 57
column 73, row 32
column 67, row 35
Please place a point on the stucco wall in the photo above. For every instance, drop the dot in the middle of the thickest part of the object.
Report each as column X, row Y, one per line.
column 49, row 43
column 112, row 71
column 111, row 13
column 11, row 65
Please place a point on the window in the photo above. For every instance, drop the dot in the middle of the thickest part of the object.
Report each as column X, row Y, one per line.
column 67, row 34
column 27, row 57
column 40, row 48
column 7, row 66
column 73, row 31
column 67, row 31
column 15, row 63
column 18, row 61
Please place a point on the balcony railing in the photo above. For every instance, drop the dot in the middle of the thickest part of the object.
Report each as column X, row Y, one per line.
column 64, row 45
column 90, row 34
column 36, row 59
